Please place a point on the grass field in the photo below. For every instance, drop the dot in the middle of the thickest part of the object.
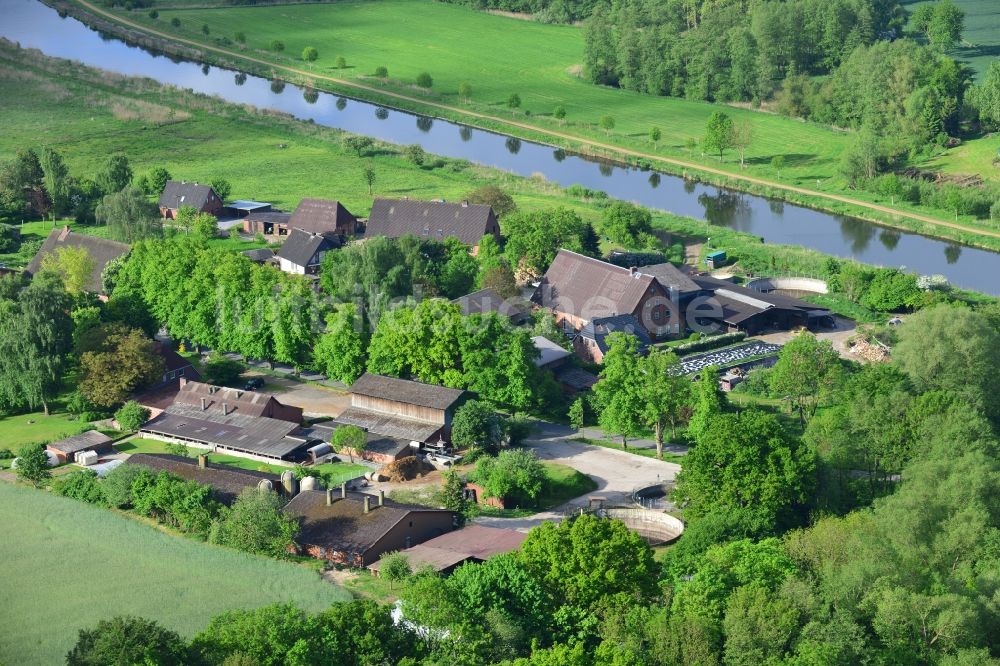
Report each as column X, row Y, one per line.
column 35, row 428
column 144, row 445
column 72, row 564
column 541, row 63
column 981, row 38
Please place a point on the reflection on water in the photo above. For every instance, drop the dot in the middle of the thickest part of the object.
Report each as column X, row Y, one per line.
column 34, row 25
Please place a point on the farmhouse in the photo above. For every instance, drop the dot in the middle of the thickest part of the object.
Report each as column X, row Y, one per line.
column 66, row 449
column 101, row 251
column 355, row 529
column 247, row 423
column 485, row 301
column 578, row 289
column 303, row 251
column 180, row 194
column 401, row 409
column 592, row 343
column 475, row 543
column 227, row 482
column 437, row 220
column 740, row 309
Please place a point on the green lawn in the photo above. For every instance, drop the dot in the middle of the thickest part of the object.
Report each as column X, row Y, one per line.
column 36, row 428
column 981, row 38
column 73, row 564
column 539, row 62
column 145, row 445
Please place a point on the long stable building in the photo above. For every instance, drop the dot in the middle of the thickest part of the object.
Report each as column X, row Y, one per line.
column 246, row 423
column 401, row 409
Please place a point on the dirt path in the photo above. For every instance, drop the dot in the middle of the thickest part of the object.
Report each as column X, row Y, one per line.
column 548, row 132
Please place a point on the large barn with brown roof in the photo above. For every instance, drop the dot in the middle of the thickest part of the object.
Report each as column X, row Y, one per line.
column 578, row 289
column 402, row 409
column 101, row 250
column 246, row 423
column 437, row 220
column 357, row 529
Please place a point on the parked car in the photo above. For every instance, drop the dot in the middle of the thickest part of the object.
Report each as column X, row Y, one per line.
column 253, row 384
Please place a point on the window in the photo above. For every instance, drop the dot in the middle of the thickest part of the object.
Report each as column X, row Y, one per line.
column 656, row 315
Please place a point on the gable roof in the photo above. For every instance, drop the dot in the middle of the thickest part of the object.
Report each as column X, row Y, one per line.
column 182, row 193
column 548, row 351
column 600, row 328
column 269, row 216
column 171, row 359
column 301, row 246
column 740, row 303
column 101, row 250
column 321, row 216
column 669, row 276
column 429, row 219
column 245, row 403
column 587, row 288
column 344, row 525
column 227, row 482
column 260, row 255
column 405, row 391
column 487, row 300
column 81, row 442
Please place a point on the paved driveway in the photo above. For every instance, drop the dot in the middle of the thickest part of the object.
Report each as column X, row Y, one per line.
column 616, row 473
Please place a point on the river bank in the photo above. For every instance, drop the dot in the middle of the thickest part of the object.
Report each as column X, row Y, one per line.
column 88, row 114
column 134, row 27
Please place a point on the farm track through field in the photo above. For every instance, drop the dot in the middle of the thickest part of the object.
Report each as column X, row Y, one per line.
column 543, row 131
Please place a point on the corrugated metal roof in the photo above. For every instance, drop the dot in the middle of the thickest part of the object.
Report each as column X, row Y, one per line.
column 406, row 391
column 429, row 219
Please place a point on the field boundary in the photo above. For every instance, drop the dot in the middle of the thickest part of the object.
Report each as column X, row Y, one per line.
column 620, row 151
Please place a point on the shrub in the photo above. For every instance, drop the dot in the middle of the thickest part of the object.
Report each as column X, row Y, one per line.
column 176, row 22
column 240, row 37
column 277, row 45
column 33, row 465
column 222, row 370
column 256, row 524
column 341, row 62
column 82, row 485
column 515, row 474
column 424, row 80
column 117, row 486
column 131, row 416
column 10, row 238
column 153, row 14
column 714, row 342
column 382, row 72
column 310, row 54
column 128, row 640
column 415, row 153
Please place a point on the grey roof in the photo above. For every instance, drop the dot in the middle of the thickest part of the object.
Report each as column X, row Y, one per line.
column 669, row 276
column 260, row 255
column 395, row 427
column 487, row 300
column 344, row 525
column 182, row 193
column 430, row 219
column 405, row 391
column 253, row 434
column 300, row 247
column 587, row 288
column 81, row 442
column 548, row 351
column 322, row 216
column 377, row 443
column 101, row 250
column 739, row 303
column 248, row 205
column 599, row 329
column 237, row 401
column 227, row 482
column 271, row 216
column 576, row 378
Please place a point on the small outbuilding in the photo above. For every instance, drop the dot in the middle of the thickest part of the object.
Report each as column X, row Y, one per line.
column 65, row 450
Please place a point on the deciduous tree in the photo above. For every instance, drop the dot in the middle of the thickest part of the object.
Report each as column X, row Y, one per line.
column 125, row 640
column 619, row 393
column 256, row 524
column 73, row 264
column 718, row 133
column 115, row 361
column 477, row 425
column 340, row 351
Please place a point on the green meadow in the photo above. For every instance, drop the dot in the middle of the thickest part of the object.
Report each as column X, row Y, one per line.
column 498, row 56
column 981, row 38
column 69, row 565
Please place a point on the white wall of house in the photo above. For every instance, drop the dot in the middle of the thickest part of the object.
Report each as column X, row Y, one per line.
column 289, row 267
